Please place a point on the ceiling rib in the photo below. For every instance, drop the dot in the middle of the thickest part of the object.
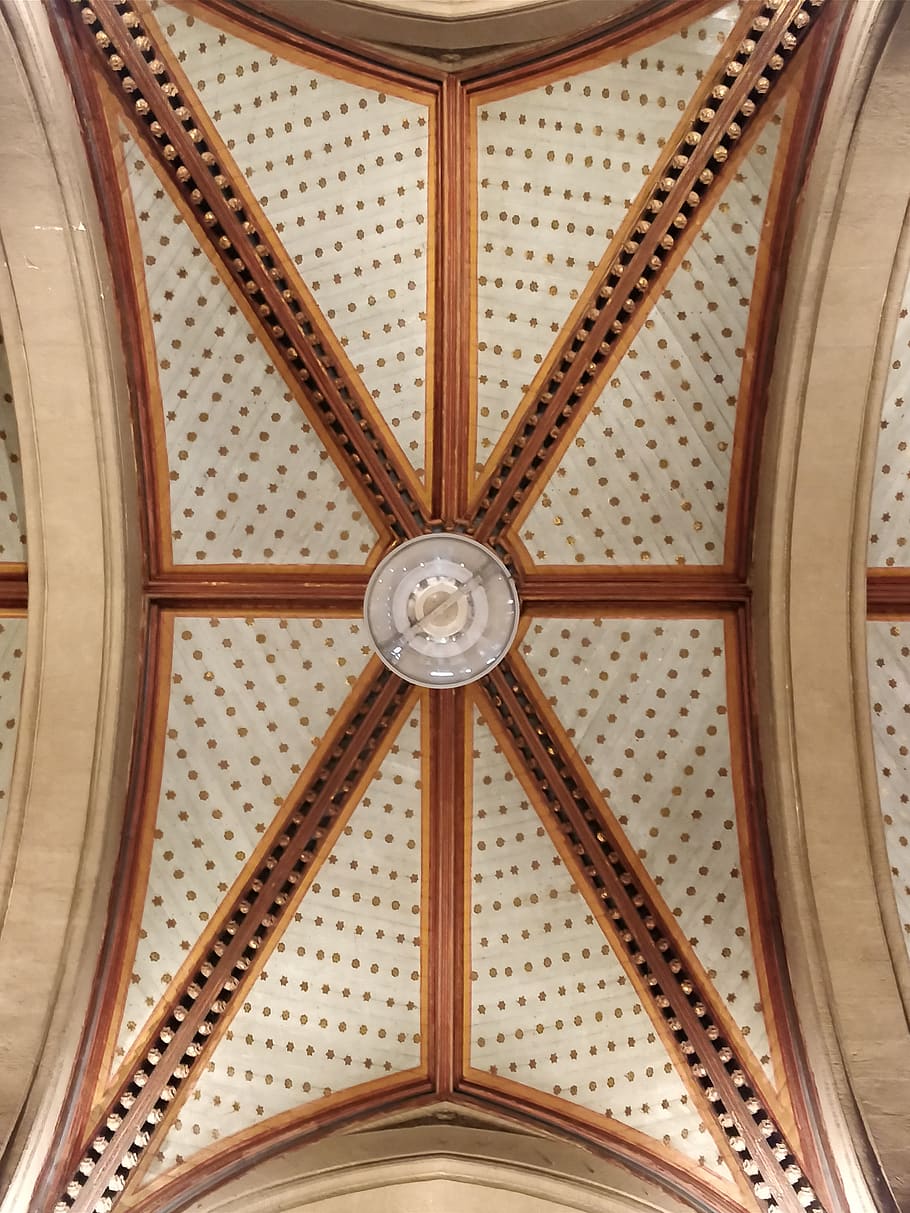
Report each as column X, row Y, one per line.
column 301, row 590
column 887, row 591
column 447, row 777
column 190, row 1019
column 452, row 398
column 683, row 586
column 684, row 182
column 13, row 585
column 764, row 1155
column 174, row 137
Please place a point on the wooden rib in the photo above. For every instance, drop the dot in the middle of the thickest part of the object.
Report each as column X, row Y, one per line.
column 686, row 585
column 333, row 591
column 449, row 804
column 888, row 592
column 172, row 135
column 247, row 923
column 766, row 1157
column 452, row 409
column 728, row 103
column 13, row 586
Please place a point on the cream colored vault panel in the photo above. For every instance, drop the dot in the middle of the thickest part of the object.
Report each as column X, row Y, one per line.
column 644, row 702
column 889, row 524
column 12, row 665
column 249, row 701
column 889, row 689
column 646, row 477
column 558, row 167
column 551, row 1005
column 249, row 478
column 338, row 1002
column 12, row 508
column 341, row 171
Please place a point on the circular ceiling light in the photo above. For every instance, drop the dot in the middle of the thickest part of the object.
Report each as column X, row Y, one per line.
column 441, row 610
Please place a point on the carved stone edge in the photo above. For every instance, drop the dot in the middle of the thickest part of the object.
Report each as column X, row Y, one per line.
column 69, row 778
column 810, row 659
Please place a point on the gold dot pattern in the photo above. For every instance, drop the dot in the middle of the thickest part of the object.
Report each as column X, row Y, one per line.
column 644, row 704
column 558, row 167
column 646, row 477
column 552, row 1006
column 889, row 524
column 340, row 170
column 249, row 700
column 12, row 665
column 888, row 644
column 12, row 507
column 338, row 1002
column 250, row 481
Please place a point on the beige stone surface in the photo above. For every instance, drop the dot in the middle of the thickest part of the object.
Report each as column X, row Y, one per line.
column 810, row 569
column 79, row 689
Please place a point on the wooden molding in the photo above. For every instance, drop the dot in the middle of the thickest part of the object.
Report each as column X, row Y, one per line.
column 452, row 411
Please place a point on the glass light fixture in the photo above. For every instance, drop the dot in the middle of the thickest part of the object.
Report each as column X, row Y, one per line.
column 441, row 610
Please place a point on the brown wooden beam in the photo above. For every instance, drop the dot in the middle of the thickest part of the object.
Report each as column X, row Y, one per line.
column 173, row 136
column 685, row 181
column 13, row 586
column 452, row 399
column 449, row 804
column 888, row 593
column 190, row 1018
column 326, row 591
column 767, row 1159
column 543, row 590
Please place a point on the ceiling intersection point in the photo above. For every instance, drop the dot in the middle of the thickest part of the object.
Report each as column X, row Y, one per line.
column 173, row 133
column 685, row 181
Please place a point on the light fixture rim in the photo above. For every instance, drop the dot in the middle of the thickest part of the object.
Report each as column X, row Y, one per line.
column 417, row 540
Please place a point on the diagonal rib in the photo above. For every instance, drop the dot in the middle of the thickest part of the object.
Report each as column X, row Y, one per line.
column 730, row 1093
column 179, row 1041
column 683, row 185
column 173, row 135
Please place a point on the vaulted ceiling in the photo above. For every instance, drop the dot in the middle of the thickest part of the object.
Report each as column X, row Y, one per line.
column 534, row 300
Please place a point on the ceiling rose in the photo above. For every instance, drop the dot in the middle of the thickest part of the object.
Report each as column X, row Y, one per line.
column 441, row 610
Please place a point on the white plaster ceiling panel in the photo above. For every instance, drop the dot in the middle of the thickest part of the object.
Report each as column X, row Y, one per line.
column 12, row 508
column 888, row 643
column 12, row 664
column 250, row 480
column 646, row 477
column 558, row 167
column 341, row 171
column 338, row 1001
column 249, row 700
column 551, row 1005
column 889, row 526
column 644, row 702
